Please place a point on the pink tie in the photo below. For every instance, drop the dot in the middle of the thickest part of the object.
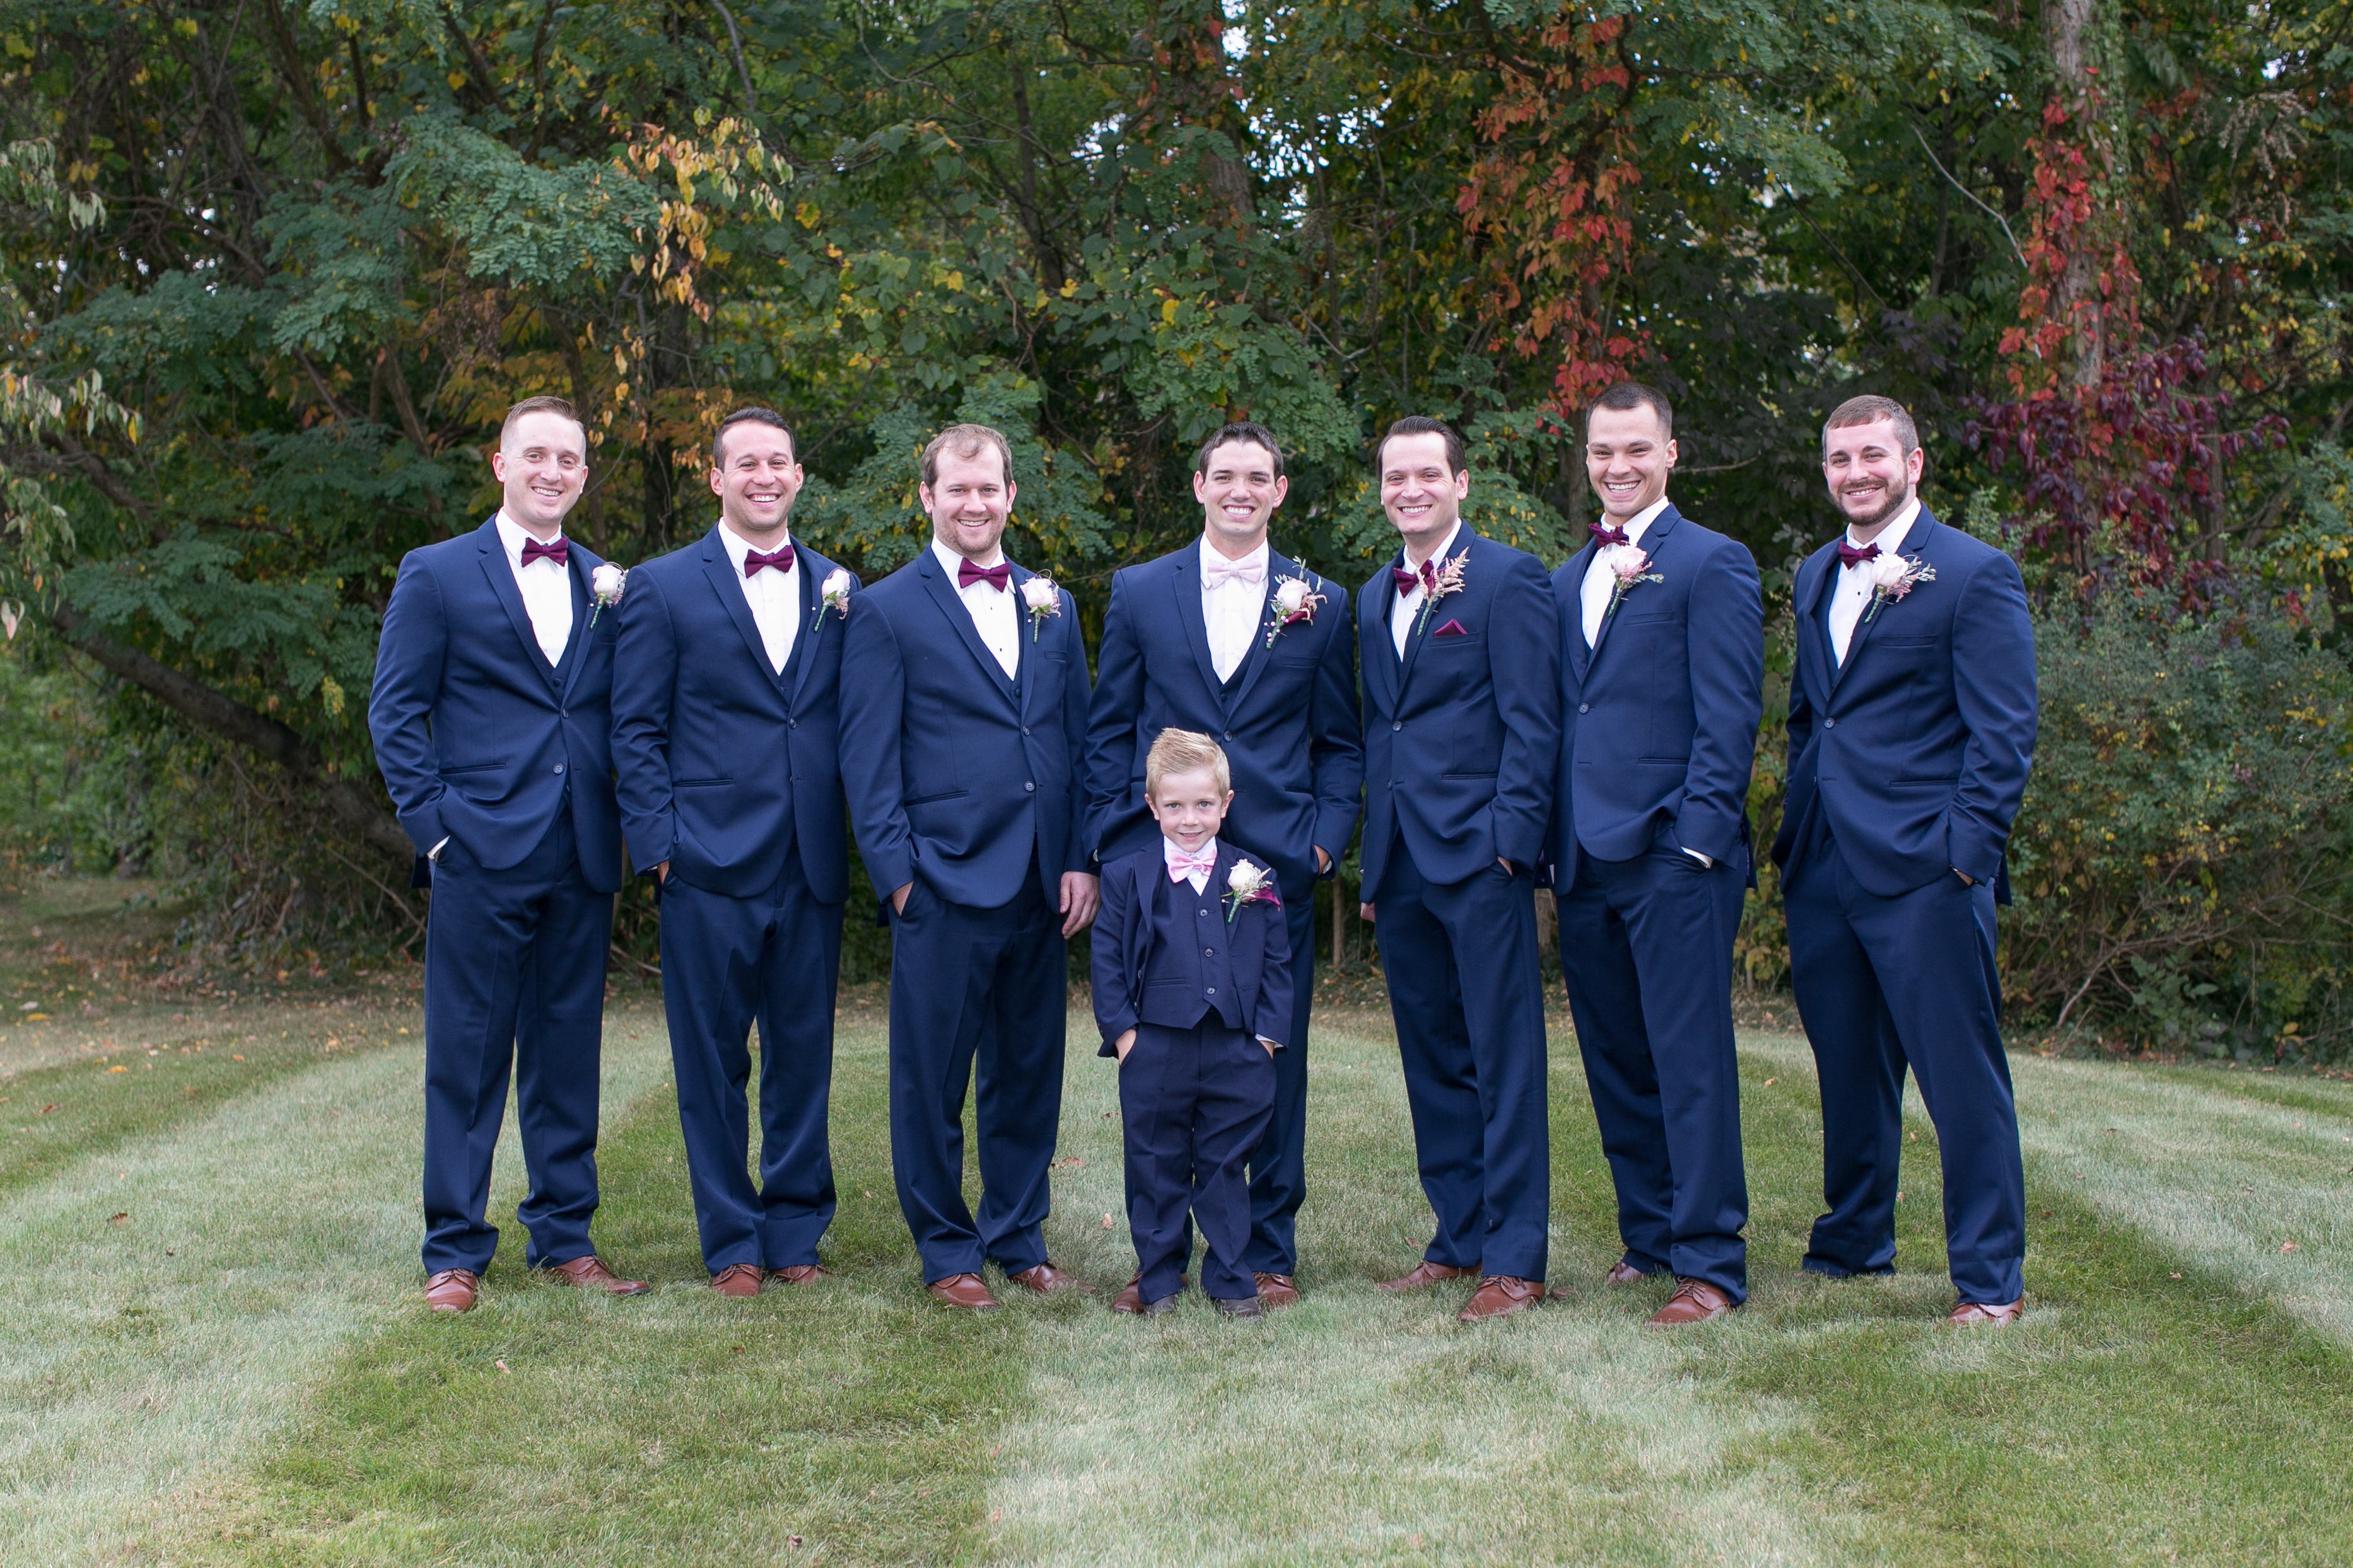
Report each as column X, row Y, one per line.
column 1182, row 866
column 1217, row 572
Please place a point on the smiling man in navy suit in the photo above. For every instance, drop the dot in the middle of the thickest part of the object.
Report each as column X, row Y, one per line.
column 490, row 718
column 1662, row 671
column 1227, row 639
column 1460, row 646
column 1912, row 725
column 964, row 711
column 725, row 715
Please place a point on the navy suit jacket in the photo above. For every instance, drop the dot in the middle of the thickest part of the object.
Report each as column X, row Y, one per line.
column 1288, row 730
column 1462, row 736
column 956, row 773
column 1258, row 948
column 1916, row 749
column 478, row 738
column 1659, row 720
column 723, row 762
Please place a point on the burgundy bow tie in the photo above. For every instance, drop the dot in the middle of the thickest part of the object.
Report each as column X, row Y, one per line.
column 1607, row 533
column 1406, row 582
column 1850, row 556
column 558, row 550
column 996, row 576
column 781, row 558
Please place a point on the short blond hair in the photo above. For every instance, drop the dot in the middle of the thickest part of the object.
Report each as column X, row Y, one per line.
column 966, row 441
column 1182, row 752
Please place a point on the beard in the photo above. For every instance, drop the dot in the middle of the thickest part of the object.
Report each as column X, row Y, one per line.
column 1891, row 501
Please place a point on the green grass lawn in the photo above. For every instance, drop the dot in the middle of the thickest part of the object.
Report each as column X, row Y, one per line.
column 215, row 1350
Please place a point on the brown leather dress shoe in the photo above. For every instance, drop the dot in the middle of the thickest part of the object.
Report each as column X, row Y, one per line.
column 1424, row 1273
column 1694, row 1302
column 1501, row 1295
column 1238, row 1306
column 964, row 1290
column 590, row 1273
column 1969, row 1312
column 452, row 1290
column 1275, row 1290
column 1046, row 1279
column 1623, row 1273
column 799, row 1274
column 737, row 1280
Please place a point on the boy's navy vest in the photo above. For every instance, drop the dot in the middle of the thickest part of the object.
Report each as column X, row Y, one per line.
column 1189, row 975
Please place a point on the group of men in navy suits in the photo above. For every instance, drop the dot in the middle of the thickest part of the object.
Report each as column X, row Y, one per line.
column 733, row 712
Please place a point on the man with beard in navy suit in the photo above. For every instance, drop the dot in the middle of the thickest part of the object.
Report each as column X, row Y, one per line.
column 1461, row 647
column 490, row 718
column 1662, row 671
column 725, row 713
column 963, row 709
column 1912, row 725
column 1227, row 639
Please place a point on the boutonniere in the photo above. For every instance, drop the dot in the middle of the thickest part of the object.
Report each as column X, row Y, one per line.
column 1041, row 599
column 1291, row 602
column 605, row 585
column 1447, row 579
column 1249, row 884
column 1892, row 576
column 1628, row 567
column 835, row 595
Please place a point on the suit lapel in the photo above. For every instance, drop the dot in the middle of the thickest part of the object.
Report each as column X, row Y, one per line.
column 579, row 564
column 1184, row 581
column 1580, row 653
column 1917, row 538
column 944, row 594
column 813, row 620
column 1428, row 619
column 1374, row 602
column 501, row 577
column 728, row 584
column 1256, row 653
column 1654, row 539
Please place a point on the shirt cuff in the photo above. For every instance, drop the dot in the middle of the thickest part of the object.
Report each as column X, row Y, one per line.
column 434, row 854
column 1706, row 860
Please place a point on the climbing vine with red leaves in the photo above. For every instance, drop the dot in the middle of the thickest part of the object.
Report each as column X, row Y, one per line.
column 1550, row 199
column 2074, row 230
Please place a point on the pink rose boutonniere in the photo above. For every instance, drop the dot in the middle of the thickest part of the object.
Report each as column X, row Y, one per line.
column 1292, row 602
column 835, row 595
column 1447, row 579
column 605, row 585
column 1041, row 599
column 1629, row 567
column 1894, row 576
column 1249, row 884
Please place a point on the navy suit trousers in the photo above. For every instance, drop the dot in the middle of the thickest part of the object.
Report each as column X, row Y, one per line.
column 1194, row 1104
column 1646, row 950
column 514, row 983
column 727, row 963
column 1882, row 983
column 1467, row 999
column 985, row 986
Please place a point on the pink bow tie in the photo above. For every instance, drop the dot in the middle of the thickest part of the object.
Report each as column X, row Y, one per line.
column 1182, row 865
column 1217, row 572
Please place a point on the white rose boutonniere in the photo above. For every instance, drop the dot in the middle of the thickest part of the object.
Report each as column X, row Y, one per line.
column 1892, row 576
column 1629, row 566
column 1292, row 602
column 605, row 585
column 1249, row 884
column 835, row 595
column 1041, row 599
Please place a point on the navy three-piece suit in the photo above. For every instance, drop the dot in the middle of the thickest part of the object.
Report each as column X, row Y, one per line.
column 485, row 744
column 1201, row 980
column 1907, row 765
column 965, row 781
column 1658, row 735
column 729, row 772
column 1287, row 722
column 1462, row 737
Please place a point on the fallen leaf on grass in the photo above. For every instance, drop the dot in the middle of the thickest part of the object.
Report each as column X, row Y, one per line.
column 47, row 1109
column 2173, row 1276
column 501, row 1365
column 236, row 1058
column 792, row 1540
column 2287, row 1246
column 118, row 1067
column 1107, row 1225
column 118, row 1219
column 1771, row 1081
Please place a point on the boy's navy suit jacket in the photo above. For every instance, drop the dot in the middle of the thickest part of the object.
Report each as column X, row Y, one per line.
column 1258, row 945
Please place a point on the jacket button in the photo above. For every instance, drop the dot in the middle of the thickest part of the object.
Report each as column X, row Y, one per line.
column 1209, row 952
column 1229, row 734
column 1213, row 991
column 559, row 767
column 1399, row 724
column 792, row 723
column 1029, row 786
column 1829, row 723
column 1203, row 913
column 1585, row 707
column 1025, row 729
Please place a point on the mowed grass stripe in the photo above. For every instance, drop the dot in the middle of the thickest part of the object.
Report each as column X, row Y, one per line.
column 140, row 1356
column 850, row 1421
column 1360, row 1427
column 2149, row 1409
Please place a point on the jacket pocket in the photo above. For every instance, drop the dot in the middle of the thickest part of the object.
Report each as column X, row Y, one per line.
column 448, row 769
column 698, row 783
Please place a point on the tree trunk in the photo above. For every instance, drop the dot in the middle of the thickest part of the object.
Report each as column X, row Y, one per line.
column 2068, row 25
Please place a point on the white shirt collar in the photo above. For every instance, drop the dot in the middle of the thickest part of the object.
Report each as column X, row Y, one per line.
column 1261, row 557
column 1444, row 550
column 1890, row 539
column 1641, row 522
column 738, row 546
column 951, row 560
column 511, row 534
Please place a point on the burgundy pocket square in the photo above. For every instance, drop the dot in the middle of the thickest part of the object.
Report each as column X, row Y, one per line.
column 1450, row 629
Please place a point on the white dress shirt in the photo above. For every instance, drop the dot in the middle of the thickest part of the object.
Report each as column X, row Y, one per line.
column 774, row 596
column 1170, row 850
column 995, row 612
column 1851, row 596
column 546, row 590
column 1593, row 593
column 1231, row 608
column 1409, row 605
